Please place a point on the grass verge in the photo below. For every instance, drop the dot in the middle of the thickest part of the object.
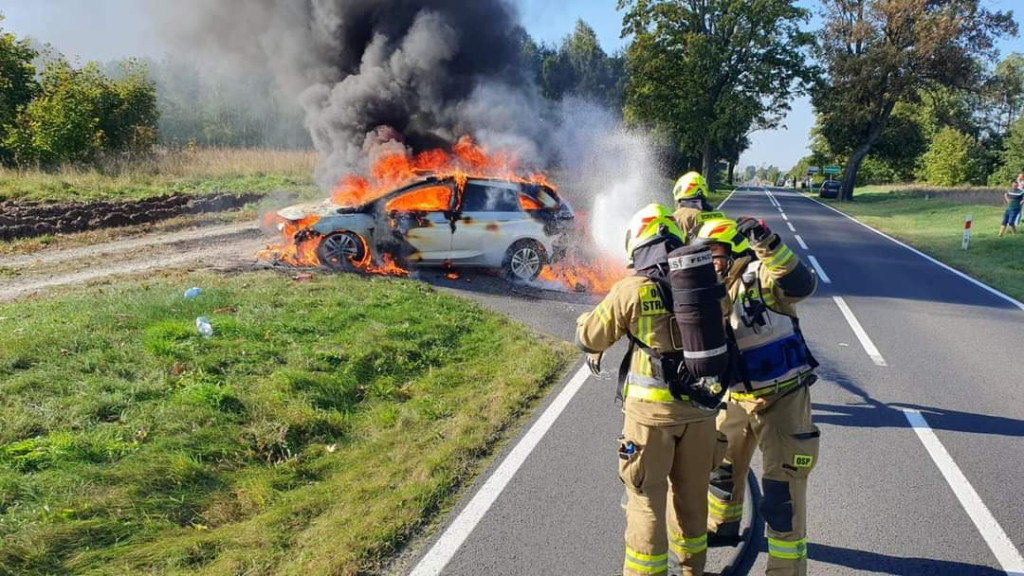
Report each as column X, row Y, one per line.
column 313, row 433
column 935, row 227
column 202, row 171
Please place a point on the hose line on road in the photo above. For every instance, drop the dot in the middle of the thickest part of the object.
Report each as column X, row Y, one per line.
column 746, row 551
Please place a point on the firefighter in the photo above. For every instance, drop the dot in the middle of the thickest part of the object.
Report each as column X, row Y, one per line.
column 692, row 207
column 769, row 399
column 667, row 440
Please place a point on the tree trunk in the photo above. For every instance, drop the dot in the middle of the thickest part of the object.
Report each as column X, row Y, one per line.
column 850, row 176
column 732, row 168
column 708, row 168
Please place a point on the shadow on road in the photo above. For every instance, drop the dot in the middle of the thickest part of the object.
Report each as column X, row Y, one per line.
column 874, row 414
column 482, row 282
column 874, row 563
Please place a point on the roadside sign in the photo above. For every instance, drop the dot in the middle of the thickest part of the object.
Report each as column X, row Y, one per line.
column 833, row 169
column 967, row 232
column 813, row 169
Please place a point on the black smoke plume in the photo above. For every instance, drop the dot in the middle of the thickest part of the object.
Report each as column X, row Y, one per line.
column 375, row 75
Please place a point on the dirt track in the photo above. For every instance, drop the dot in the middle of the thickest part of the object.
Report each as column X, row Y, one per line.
column 229, row 246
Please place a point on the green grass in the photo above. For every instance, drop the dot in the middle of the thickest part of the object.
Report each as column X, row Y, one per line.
column 322, row 424
column 198, row 171
column 935, row 227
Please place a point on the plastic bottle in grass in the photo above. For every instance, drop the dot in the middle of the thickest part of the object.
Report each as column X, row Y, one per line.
column 193, row 293
column 204, row 327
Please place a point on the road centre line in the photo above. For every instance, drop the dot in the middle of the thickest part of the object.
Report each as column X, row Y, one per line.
column 791, row 228
column 1000, row 544
column 949, row 268
column 449, row 543
column 865, row 340
column 821, row 271
column 801, row 242
column 784, row 217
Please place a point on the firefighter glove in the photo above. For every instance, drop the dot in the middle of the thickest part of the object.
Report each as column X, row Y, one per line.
column 594, row 363
column 753, row 228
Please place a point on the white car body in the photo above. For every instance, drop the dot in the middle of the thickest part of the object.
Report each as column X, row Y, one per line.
column 476, row 229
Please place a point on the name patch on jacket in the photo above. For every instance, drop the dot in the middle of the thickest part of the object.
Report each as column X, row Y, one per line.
column 650, row 301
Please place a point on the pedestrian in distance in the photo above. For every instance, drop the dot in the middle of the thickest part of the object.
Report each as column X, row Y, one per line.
column 1013, row 200
column 690, row 194
column 769, row 403
column 667, row 439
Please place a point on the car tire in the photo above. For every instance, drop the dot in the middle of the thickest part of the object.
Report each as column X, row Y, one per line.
column 524, row 261
column 341, row 250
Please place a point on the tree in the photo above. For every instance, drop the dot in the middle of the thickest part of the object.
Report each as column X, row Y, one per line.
column 1012, row 157
column 80, row 113
column 877, row 53
column 750, row 172
column 948, row 160
column 708, row 71
column 579, row 67
column 17, row 82
column 1005, row 91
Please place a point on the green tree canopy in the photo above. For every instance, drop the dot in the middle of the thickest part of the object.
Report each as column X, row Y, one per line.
column 707, row 72
column 949, row 158
column 17, row 81
column 878, row 53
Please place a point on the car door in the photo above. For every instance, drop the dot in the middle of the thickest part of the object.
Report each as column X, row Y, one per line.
column 490, row 219
column 421, row 218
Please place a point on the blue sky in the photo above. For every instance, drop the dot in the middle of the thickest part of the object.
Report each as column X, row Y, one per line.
column 110, row 29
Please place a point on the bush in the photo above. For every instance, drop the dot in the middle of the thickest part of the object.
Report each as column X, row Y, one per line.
column 950, row 158
column 80, row 113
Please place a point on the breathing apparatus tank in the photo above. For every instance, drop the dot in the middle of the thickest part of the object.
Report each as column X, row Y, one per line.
column 697, row 295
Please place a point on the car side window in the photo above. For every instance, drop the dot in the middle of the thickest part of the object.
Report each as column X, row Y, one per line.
column 429, row 199
column 483, row 198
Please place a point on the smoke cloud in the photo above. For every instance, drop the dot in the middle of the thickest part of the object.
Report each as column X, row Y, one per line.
column 373, row 73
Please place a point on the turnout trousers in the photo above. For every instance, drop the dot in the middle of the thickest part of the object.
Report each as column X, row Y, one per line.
column 780, row 424
column 680, row 456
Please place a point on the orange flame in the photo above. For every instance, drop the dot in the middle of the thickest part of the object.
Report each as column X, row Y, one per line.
column 581, row 272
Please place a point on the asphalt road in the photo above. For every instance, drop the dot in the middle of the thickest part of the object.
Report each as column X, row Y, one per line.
column 920, row 403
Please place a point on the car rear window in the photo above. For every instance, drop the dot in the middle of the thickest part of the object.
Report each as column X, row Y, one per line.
column 430, row 199
column 480, row 197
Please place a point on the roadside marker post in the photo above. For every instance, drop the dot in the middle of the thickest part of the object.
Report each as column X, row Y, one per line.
column 967, row 232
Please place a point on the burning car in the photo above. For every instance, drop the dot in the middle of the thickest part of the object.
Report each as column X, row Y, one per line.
column 512, row 225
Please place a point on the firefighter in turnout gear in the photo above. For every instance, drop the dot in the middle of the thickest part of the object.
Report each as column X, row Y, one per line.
column 692, row 207
column 769, row 400
column 666, row 438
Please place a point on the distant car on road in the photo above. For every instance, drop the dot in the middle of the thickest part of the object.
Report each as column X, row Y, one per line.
column 830, row 189
column 515, row 227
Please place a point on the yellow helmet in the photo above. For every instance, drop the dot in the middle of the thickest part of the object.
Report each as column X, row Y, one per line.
column 723, row 231
column 691, row 186
column 652, row 223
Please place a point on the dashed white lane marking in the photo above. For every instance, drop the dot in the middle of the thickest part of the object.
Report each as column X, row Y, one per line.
column 801, row 242
column 1000, row 544
column 791, row 228
column 865, row 340
column 784, row 217
column 821, row 271
column 449, row 543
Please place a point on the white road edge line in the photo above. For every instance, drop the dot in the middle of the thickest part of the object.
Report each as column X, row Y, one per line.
column 977, row 283
column 801, row 242
column 449, row 543
column 791, row 227
column 865, row 340
column 821, row 271
column 1000, row 544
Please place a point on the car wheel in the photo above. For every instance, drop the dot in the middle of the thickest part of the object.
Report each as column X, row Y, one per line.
column 524, row 261
column 341, row 250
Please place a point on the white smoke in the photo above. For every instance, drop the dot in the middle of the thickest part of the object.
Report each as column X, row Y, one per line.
column 610, row 171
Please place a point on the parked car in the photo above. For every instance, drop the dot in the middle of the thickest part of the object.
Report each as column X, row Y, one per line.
column 830, row 189
column 515, row 227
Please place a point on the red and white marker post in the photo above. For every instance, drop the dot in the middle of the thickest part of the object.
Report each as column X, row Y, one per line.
column 967, row 232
